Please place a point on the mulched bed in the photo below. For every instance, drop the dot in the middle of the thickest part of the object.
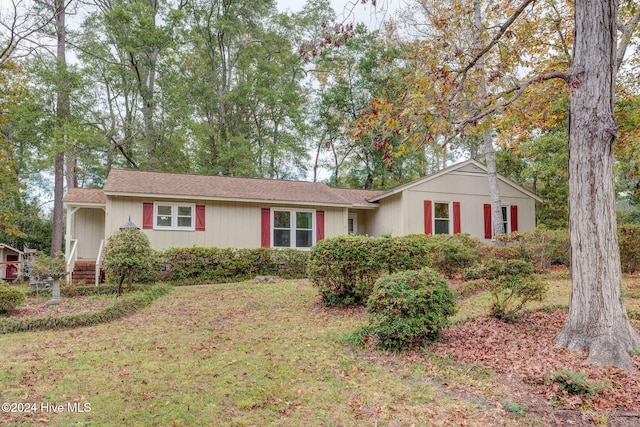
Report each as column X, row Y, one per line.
column 524, row 355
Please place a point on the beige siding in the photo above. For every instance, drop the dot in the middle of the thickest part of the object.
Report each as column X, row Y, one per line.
column 88, row 228
column 472, row 191
column 228, row 224
column 391, row 217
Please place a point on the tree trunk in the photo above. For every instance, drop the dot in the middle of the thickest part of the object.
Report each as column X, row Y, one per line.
column 597, row 319
column 62, row 113
column 487, row 137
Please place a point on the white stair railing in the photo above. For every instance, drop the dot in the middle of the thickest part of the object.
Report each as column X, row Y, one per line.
column 99, row 262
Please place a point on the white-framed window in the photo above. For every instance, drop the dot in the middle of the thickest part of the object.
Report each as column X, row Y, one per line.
column 506, row 219
column 352, row 227
column 292, row 228
column 441, row 218
column 174, row 216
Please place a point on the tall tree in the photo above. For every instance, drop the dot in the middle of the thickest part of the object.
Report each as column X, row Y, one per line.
column 597, row 320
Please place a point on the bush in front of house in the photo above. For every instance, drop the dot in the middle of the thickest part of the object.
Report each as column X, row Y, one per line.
column 452, row 254
column 345, row 268
column 543, row 248
column 127, row 254
column 10, row 297
column 512, row 284
column 409, row 308
column 206, row 265
column 629, row 241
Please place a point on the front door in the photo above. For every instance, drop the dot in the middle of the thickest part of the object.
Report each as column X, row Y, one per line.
column 12, row 270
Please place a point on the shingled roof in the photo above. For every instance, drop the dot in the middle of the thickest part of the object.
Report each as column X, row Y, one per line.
column 85, row 195
column 176, row 185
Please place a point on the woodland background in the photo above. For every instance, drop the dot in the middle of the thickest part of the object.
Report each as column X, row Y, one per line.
column 240, row 88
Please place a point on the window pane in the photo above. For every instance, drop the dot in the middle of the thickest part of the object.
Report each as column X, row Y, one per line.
column 350, row 226
column 303, row 220
column 282, row 238
column 164, row 210
column 442, row 210
column 184, row 210
column 184, row 221
column 442, row 226
column 304, row 238
column 504, row 214
column 164, row 221
column 281, row 219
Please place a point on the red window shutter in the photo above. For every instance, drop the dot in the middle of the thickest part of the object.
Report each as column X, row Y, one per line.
column 319, row 225
column 266, row 228
column 514, row 218
column 200, row 217
column 487, row 222
column 456, row 218
column 428, row 217
column 147, row 216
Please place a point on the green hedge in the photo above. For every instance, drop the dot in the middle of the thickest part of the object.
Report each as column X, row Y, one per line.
column 120, row 307
column 10, row 297
column 345, row 268
column 202, row 265
column 73, row 290
column 629, row 241
column 545, row 248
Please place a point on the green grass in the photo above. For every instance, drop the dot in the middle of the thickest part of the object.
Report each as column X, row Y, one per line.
column 238, row 354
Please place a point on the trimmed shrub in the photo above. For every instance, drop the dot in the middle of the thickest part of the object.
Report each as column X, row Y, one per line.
column 512, row 284
column 345, row 268
column 451, row 254
column 127, row 254
column 409, row 308
column 201, row 265
column 10, row 297
column 629, row 241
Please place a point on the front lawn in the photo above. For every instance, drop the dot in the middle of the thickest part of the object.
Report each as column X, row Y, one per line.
column 269, row 354
column 234, row 354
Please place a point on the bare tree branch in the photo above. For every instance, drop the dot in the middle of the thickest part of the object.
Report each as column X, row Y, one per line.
column 502, row 30
column 515, row 92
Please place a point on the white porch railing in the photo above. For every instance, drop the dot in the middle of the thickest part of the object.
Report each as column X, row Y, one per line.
column 73, row 256
column 99, row 262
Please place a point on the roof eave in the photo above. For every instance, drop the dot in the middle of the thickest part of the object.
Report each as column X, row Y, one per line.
column 227, row 199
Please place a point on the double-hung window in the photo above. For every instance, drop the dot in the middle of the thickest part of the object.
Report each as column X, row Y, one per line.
column 505, row 219
column 174, row 216
column 441, row 218
column 292, row 228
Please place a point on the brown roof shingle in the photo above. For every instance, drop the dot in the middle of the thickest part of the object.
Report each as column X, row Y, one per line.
column 167, row 184
column 85, row 195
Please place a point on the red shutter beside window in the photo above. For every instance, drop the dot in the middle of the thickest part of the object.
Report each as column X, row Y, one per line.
column 487, row 222
column 147, row 216
column 428, row 217
column 200, row 211
column 456, row 218
column 319, row 225
column 266, row 228
column 514, row 218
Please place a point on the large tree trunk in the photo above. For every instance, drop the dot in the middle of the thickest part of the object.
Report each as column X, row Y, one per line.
column 597, row 319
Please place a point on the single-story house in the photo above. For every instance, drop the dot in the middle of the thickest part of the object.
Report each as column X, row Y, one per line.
column 182, row 210
column 11, row 262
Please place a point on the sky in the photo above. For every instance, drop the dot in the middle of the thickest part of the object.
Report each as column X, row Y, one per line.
column 365, row 13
